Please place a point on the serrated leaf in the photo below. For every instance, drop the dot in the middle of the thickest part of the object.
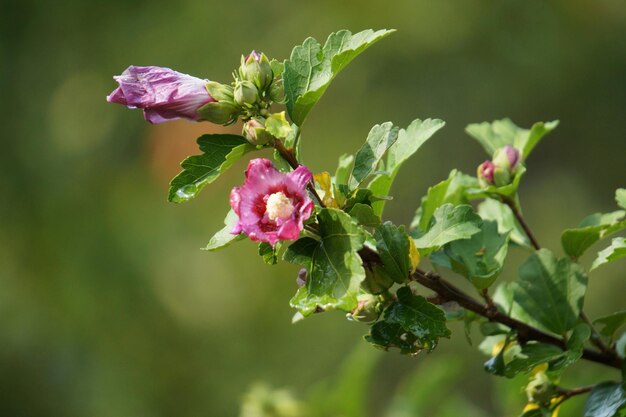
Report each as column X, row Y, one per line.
column 575, row 345
column 408, row 143
column 551, row 290
column 510, row 362
column 616, row 250
column 411, row 324
column 333, row 264
column 269, row 253
column 495, row 135
column 277, row 67
column 392, row 244
column 611, row 323
column 593, row 228
column 311, row 68
column 364, row 214
column 224, row 238
column 277, row 125
column 620, row 197
column 220, row 151
column 605, row 400
column 451, row 223
column 491, row 209
column 480, row 258
column 379, row 139
column 450, row 190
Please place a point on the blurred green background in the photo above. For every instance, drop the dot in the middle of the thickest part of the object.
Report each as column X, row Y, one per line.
column 108, row 308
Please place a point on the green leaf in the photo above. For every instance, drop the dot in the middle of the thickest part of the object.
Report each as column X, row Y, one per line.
column 392, row 244
column 516, row 359
column 575, row 345
column 605, row 400
column 620, row 197
column 451, row 190
column 593, row 228
column 616, row 250
column 480, row 258
column 224, row 238
column 411, row 324
column 311, row 68
column 269, row 253
column 409, row 141
column 365, row 215
column 277, row 67
column 220, row 152
column 491, row 209
column 495, row 135
column 451, row 223
column 551, row 291
column 333, row 264
column 277, row 125
column 379, row 139
column 611, row 323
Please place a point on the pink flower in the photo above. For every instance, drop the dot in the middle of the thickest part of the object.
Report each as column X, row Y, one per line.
column 162, row 93
column 485, row 172
column 271, row 206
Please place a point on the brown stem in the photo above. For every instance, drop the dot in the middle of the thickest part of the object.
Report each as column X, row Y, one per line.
column 596, row 339
column 569, row 393
column 525, row 333
column 518, row 215
column 293, row 163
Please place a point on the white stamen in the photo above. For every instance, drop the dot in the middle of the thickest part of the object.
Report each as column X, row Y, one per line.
column 278, row 206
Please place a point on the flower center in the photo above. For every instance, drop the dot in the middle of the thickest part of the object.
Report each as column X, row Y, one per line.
column 278, row 206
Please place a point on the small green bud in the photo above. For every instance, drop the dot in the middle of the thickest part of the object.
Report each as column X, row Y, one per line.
column 221, row 113
column 277, row 91
column 368, row 308
column 254, row 130
column 256, row 68
column 221, row 92
column 246, row 94
column 501, row 176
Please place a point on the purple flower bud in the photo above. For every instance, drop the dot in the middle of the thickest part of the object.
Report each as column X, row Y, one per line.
column 162, row 93
column 506, row 157
column 254, row 55
column 485, row 172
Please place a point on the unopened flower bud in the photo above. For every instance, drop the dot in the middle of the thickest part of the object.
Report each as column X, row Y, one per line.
column 485, row 173
column 506, row 157
column 224, row 110
column 254, row 130
column 222, row 113
column 256, row 68
column 367, row 310
column 246, row 93
column 501, row 176
column 277, row 91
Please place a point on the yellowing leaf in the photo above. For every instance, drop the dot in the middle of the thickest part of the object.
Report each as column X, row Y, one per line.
column 324, row 181
column 414, row 255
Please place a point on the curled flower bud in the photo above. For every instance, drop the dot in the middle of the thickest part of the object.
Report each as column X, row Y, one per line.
column 254, row 131
column 246, row 94
column 485, row 173
column 223, row 110
column 271, row 206
column 256, row 68
column 162, row 93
